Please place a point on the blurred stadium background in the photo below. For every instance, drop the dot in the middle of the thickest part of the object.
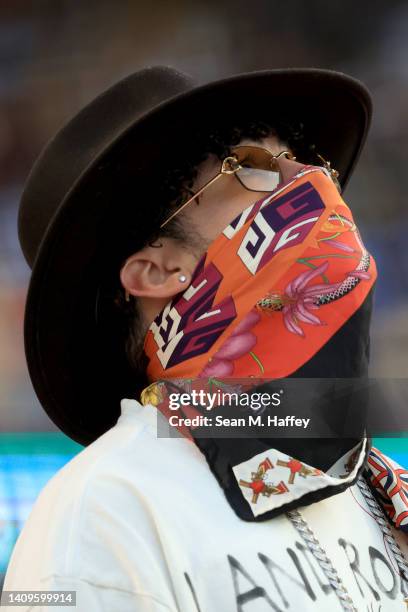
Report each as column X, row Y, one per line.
column 55, row 55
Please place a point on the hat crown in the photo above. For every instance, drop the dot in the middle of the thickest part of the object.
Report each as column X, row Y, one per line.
column 82, row 140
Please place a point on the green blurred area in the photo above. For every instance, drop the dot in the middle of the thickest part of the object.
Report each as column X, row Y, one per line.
column 48, row 443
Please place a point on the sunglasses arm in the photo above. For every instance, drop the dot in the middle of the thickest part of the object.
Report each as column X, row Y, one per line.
column 199, row 192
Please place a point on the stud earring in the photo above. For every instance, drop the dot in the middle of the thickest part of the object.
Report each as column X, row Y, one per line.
column 182, row 278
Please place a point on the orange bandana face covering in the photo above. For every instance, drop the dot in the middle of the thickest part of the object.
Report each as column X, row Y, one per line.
column 271, row 290
column 284, row 291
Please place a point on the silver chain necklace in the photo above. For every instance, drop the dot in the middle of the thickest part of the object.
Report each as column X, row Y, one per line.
column 325, row 563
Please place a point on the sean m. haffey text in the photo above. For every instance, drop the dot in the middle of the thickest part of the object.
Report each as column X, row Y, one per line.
column 256, row 402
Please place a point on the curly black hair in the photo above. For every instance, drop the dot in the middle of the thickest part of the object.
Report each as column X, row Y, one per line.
column 175, row 185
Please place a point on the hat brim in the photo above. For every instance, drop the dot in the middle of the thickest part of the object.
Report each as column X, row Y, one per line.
column 74, row 346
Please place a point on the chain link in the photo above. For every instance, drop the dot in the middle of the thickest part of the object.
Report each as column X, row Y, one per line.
column 320, row 555
column 382, row 522
column 325, row 563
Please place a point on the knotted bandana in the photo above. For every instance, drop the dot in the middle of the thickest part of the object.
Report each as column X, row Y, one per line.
column 285, row 290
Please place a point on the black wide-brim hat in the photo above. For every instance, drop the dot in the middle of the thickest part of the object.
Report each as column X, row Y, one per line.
column 76, row 203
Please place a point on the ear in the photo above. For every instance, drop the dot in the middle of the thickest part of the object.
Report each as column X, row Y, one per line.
column 158, row 272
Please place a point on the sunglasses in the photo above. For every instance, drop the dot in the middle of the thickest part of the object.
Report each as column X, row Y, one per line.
column 257, row 169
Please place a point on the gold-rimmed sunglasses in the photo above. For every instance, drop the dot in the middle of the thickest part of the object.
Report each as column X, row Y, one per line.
column 256, row 168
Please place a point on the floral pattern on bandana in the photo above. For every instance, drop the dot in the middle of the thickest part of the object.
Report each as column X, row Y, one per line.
column 291, row 268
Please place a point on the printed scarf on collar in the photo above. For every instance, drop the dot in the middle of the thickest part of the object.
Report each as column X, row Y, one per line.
column 284, row 291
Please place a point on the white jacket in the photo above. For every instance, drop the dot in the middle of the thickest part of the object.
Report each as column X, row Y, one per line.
column 137, row 523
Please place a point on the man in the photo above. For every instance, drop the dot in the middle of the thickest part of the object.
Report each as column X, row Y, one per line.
column 185, row 207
